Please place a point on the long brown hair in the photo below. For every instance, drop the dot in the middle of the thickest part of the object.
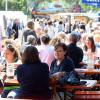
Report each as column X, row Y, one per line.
column 30, row 55
column 93, row 47
column 12, row 48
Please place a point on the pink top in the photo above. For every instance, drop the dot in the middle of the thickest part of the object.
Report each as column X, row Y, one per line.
column 46, row 53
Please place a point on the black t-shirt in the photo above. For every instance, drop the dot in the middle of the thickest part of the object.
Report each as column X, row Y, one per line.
column 29, row 32
column 34, row 78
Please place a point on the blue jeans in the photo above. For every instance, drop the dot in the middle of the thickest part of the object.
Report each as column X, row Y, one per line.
column 18, row 94
column 5, row 93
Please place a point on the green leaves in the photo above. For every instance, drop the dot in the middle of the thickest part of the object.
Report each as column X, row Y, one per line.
column 13, row 5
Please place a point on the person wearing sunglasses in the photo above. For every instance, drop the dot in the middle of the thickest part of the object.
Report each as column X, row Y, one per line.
column 11, row 56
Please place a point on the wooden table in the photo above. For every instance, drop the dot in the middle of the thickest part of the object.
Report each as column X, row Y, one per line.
column 88, row 71
column 89, row 84
column 13, row 99
column 96, row 64
column 9, row 82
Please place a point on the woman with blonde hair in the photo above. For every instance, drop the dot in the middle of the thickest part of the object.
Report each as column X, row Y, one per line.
column 62, row 36
column 97, row 39
column 54, row 41
column 12, row 58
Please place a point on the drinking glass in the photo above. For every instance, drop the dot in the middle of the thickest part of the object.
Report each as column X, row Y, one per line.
column 10, row 70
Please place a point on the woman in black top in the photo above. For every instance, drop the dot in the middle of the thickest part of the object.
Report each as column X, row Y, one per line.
column 62, row 63
column 33, row 76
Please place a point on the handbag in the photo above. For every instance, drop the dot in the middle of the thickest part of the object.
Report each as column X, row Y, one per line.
column 74, row 78
column 70, row 78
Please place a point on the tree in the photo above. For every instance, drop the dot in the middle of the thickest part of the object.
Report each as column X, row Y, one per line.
column 14, row 5
column 2, row 3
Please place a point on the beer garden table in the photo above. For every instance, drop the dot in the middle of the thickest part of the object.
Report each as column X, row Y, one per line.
column 88, row 71
column 89, row 84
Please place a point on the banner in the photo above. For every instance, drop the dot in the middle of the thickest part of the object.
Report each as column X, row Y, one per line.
column 91, row 1
column 95, row 3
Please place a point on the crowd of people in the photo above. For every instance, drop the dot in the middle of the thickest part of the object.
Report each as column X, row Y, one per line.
column 48, row 49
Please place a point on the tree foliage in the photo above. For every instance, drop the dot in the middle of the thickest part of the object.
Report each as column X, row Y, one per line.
column 2, row 3
column 13, row 5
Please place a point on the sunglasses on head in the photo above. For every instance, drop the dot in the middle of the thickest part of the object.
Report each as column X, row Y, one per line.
column 10, row 47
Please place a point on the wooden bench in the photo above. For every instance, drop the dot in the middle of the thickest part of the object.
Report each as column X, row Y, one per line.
column 87, row 95
column 21, row 99
column 13, row 99
column 97, row 86
column 1, row 89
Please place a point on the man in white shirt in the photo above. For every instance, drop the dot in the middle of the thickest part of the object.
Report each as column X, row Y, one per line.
column 50, row 30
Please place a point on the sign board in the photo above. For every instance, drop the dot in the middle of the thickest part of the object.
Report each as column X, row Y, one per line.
column 95, row 3
column 91, row 1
